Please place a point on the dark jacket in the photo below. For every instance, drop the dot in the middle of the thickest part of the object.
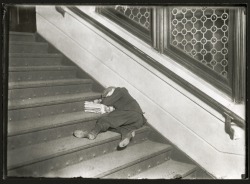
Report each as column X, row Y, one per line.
column 122, row 100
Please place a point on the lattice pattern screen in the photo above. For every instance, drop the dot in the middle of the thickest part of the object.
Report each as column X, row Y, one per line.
column 203, row 34
column 140, row 15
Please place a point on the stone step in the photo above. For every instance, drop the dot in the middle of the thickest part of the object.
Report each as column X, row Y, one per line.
column 168, row 170
column 25, row 90
column 33, row 59
column 28, row 47
column 50, row 105
column 122, row 162
column 22, row 36
column 38, row 73
column 37, row 130
column 39, row 159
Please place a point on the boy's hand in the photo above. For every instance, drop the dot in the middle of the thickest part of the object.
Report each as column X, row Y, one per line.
column 98, row 101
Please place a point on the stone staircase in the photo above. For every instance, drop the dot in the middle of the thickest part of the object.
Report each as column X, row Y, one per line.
column 45, row 106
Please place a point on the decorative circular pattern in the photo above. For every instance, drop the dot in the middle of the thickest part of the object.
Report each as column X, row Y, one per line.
column 140, row 15
column 184, row 31
column 224, row 62
column 214, row 29
column 193, row 41
column 184, row 42
column 203, row 29
column 214, row 40
column 193, row 52
column 224, row 39
column 202, row 33
column 184, row 21
column 203, row 41
column 203, row 52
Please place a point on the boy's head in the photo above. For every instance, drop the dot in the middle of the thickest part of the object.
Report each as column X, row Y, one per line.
column 107, row 91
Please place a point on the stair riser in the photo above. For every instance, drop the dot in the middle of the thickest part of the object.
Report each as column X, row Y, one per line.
column 41, row 75
column 47, row 134
column 23, row 38
column 53, row 61
column 139, row 167
column 42, row 111
column 28, row 48
column 48, row 91
column 61, row 161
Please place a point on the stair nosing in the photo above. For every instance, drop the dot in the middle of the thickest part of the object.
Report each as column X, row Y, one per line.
column 35, row 55
column 21, row 33
column 28, row 43
column 60, row 82
column 40, row 68
column 43, row 102
column 186, row 173
column 92, row 143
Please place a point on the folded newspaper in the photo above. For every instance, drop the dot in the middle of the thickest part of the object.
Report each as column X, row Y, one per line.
column 94, row 107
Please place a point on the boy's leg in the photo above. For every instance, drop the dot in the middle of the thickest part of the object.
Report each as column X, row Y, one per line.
column 128, row 132
column 100, row 126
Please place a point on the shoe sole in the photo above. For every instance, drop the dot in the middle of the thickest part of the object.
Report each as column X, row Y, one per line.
column 126, row 141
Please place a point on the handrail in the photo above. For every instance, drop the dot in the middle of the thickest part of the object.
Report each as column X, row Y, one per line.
column 168, row 73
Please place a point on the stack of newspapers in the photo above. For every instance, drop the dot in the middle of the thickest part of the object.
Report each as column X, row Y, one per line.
column 94, row 107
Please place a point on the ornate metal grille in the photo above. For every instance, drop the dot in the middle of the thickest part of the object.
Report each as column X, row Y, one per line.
column 140, row 15
column 202, row 33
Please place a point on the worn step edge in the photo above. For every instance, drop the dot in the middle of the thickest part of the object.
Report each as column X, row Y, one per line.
column 49, row 122
column 124, row 160
column 167, row 170
column 27, row 43
column 21, row 33
column 51, row 100
column 34, row 55
column 60, row 82
column 57, row 148
column 40, row 68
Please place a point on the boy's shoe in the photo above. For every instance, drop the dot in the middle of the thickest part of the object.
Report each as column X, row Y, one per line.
column 94, row 132
column 80, row 134
column 126, row 139
column 85, row 134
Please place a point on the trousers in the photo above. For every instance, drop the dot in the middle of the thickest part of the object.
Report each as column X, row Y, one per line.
column 121, row 121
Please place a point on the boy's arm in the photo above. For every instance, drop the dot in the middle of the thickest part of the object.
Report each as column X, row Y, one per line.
column 110, row 100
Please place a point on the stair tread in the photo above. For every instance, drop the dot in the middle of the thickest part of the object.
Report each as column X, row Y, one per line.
column 38, row 152
column 111, row 162
column 39, row 68
column 35, row 124
column 49, row 100
column 27, row 43
column 30, row 84
column 35, row 55
column 167, row 170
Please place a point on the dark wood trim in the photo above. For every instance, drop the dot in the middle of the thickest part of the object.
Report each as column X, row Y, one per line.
column 157, row 28
column 239, row 55
column 128, row 24
column 5, row 67
column 168, row 73
column 189, row 62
